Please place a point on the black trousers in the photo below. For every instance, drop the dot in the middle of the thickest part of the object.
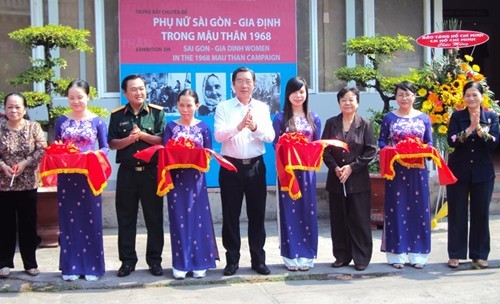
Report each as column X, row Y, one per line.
column 249, row 181
column 131, row 188
column 350, row 227
column 458, row 196
column 18, row 211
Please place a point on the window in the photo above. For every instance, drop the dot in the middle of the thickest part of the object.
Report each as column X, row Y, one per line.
column 13, row 16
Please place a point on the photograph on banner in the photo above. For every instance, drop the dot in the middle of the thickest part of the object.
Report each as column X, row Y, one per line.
column 212, row 90
column 267, row 89
column 162, row 89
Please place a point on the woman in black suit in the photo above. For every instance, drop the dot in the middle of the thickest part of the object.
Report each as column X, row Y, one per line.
column 474, row 134
column 348, row 182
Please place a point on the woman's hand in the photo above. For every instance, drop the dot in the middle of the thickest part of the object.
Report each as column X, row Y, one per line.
column 474, row 121
column 21, row 166
column 7, row 170
column 344, row 173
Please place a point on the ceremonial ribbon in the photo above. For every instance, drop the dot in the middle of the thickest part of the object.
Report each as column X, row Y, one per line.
column 412, row 154
column 93, row 164
column 178, row 157
column 295, row 152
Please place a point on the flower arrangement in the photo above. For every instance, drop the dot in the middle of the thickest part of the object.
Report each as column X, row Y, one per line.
column 440, row 91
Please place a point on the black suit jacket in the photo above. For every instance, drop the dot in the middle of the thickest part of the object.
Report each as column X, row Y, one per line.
column 362, row 149
column 471, row 160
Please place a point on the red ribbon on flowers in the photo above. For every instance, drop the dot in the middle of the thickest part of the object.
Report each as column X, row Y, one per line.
column 294, row 151
column 179, row 153
column 65, row 158
column 411, row 153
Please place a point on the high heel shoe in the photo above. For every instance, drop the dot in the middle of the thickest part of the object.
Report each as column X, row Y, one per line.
column 481, row 263
column 453, row 263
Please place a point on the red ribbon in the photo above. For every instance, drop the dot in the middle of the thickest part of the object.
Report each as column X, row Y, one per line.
column 176, row 156
column 93, row 164
column 413, row 157
column 295, row 152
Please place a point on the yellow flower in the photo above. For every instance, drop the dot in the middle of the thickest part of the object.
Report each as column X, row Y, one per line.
column 476, row 68
column 427, row 106
column 468, row 58
column 442, row 129
column 422, row 92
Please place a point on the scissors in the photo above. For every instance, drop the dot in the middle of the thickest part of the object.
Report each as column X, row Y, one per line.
column 13, row 175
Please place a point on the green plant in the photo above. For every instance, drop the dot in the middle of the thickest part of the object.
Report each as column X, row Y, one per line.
column 440, row 89
column 378, row 50
column 375, row 121
column 50, row 37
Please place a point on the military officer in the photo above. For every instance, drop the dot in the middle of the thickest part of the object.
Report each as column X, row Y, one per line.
column 132, row 128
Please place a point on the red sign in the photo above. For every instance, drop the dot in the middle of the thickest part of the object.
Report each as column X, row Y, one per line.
column 207, row 31
column 452, row 39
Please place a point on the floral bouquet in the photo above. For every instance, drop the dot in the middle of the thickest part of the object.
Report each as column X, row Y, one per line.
column 440, row 91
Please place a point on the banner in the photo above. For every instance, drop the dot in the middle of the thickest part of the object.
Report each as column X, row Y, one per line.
column 197, row 44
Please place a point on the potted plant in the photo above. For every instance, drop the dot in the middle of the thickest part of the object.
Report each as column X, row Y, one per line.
column 50, row 37
column 378, row 49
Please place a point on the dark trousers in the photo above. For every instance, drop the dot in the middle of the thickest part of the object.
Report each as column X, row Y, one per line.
column 249, row 181
column 131, row 188
column 458, row 196
column 350, row 227
column 18, row 212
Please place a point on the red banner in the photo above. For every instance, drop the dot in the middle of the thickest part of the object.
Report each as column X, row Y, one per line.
column 452, row 39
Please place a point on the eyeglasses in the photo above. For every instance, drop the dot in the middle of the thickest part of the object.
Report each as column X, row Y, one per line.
column 404, row 96
column 248, row 82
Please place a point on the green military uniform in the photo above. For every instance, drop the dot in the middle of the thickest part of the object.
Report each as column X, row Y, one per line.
column 137, row 181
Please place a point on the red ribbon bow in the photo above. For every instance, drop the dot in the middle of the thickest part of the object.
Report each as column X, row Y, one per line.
column 294, row 151
column 411, row 153
column 179, row 153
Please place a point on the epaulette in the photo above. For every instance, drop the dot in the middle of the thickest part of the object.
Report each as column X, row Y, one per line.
column 155, row 106
column 118, row 109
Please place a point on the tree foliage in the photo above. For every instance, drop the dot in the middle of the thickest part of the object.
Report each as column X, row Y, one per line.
column 50, row 37
column 378, row 49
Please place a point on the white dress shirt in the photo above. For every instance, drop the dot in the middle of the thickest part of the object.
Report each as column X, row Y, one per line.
column 245, row 143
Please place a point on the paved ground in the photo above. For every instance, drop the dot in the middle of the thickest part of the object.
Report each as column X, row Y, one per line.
column 379, row 283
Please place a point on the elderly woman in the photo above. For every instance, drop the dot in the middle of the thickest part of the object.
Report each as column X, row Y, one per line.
column 22, row 145
column 348, row 182
column 474, row 134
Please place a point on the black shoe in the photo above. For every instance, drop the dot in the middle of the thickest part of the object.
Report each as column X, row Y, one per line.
column 230, row 269
column 360, row 267
column 261, row 269
column 125, row 270
column 338, row 264
column 156, row 270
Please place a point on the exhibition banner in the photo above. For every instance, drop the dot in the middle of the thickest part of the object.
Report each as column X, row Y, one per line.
column 197, row 44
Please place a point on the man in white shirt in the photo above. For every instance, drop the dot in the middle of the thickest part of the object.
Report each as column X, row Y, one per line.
column 242, row 125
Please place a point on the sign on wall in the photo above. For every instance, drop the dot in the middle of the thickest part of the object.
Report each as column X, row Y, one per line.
column 197, row 44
